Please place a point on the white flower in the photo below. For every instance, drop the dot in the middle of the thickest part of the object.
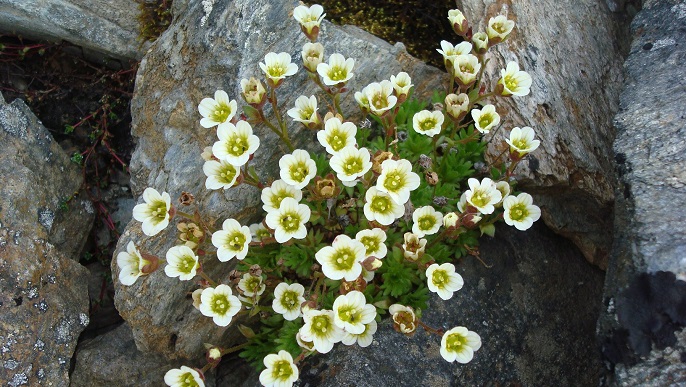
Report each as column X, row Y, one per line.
column 361, row 98
column 459, row 344
column 313, row 55
column 207, row 153
column 351, row 163
column 297, row 168
column 306, row 345
column 220, row 174
column 381, row 207
column 483, row 196
column 413, row 246
column 280, row 371
column 363, row 339
column 426, row 221
column 253, row 91
column 450, row 52
column 236, row 143
column 259, row 232
column 183, row 377
column 401, row 83
column 404, row 319
column 380, row 97
column 456, row 104
column 520, row 211
column 522, row 141
column 288, row 299
column 443, row 280
column 220, row 304
column 462, row 202
column 130, row 264
column 251, row 285
column 337, row 135
column 232, row 240
column 274, row 194
column 181, row 262
column 196, row 298
column 351, row 312
column 480, row 40
column 320, row 329
column 289, row 220
column 397, row 180
column 309, row 18
column 305, row 111
column 514, row 81
column 277, row 67
column 499, row 28
column 427, row 122
column 154, row 213
column 337, row 71
column 373, row 241
column 342, row 259
column 485, row 119
column 218, row 110
column 450, row 219
column 466, row 68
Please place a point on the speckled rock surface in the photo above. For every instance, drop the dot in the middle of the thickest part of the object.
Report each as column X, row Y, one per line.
column 43, row 290
column 535, row 311
column 186, row 64
column 39, row 184
column 572, row 50
column 645, row 292
column 112, row 359
column 101, row 26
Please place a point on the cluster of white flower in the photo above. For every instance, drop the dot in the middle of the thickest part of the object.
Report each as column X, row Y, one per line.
column 384, row 181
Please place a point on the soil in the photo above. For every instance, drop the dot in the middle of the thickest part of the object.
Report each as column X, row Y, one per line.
column 85, row 106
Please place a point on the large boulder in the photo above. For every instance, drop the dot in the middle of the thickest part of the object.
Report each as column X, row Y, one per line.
column 645, row 293
column 572, row 52
column 43, row 289
column 190, row 62
column 108, row 28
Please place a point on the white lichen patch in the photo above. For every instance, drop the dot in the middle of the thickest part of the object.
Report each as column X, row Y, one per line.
column 663, row 43
column 88, row 206
column 18, row 380
column 13, row 121
column 11, row 364
column 63, row 332
column 679, row 10
column 39, row 345
column 83, row 319
column 46, row 218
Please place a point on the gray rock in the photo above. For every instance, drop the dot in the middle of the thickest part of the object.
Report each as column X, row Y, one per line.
column 645, row 291
column 188, row 63
column 112, row 359
column 108, row 28
column 573, row 99
column 40, row 194
column 534, row 310
column 43, row 290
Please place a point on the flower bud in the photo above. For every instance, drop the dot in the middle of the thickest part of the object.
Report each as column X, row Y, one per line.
column 470, row 220
column 213, row 356
column 253, row 92
column 451, row 219
column 480, row 41
column 313, row 55
column 458, row 21
column 413, row 247
column 404, row 319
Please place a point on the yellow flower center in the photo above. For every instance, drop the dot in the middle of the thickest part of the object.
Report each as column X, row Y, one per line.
column 278, row 197
column 237, row 145
column 371, row 244
column 352, row 166
column 426, row 222
column 519, row 212
column 337, row 140
column 349, row 314
column 439, row 278
column 187, row 264
column 428, row 124
column 235, row 241
column 320, row 324
column 299, row 172
column 480, row 198
column 227, row 173
column 520, row 144
column 381, row 204
column 289, row 299
column 485, row 120
column 187, row 380
column 510, row 83
column 455, row 342
column 394, row 182
column 221, row 113
column 220, row 304
column 337, row 74
column 282, row 370
column 158, row 210
column 343, row 259
column 290, row 222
